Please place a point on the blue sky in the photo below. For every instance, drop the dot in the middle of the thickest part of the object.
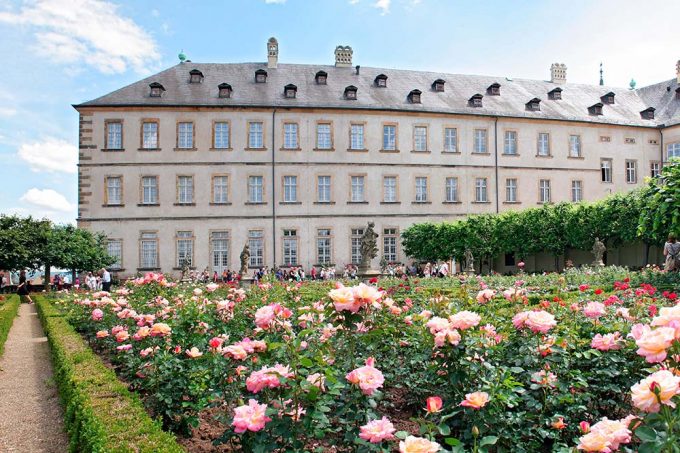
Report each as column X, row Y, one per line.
column 62, row 52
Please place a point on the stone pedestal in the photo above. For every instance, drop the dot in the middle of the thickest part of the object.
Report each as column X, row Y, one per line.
column 246, row 281
column 366, row 274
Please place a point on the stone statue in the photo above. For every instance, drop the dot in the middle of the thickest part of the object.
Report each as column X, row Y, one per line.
column 469, row 262
column 369, row 246
column 185, row 271
column 598, row 251
column 245, row 259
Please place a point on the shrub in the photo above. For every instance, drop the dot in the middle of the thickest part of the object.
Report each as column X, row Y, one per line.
column 9, row 307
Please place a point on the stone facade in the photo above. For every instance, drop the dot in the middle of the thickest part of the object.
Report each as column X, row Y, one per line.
column 297, row 225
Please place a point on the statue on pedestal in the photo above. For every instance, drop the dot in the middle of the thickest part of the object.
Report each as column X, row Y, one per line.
column 598, row 252
column 245, row 260
column 469, row 262
column 185, row 271
column 369, row 246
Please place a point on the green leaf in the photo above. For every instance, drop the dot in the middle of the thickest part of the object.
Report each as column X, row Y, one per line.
column 306, row 362
column 646, row 434
column 444, row 430
column 452, row 441
column 401, row 435
column 488, row 440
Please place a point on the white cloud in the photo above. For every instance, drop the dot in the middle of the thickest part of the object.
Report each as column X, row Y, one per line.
column 51, row 155
column 48, row 199
column 353, row 2
column 89, row 32
column 383, row 5
column 7, row 111
column 279, row 2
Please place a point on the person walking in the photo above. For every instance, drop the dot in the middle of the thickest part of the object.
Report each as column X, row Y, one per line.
column 671, row 250
column 106, row 280
column 22, row 289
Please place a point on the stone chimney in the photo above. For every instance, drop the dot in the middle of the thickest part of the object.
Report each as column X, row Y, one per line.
column 558, row 73
column 677, row 72
column 343, row 57
column 272, row 53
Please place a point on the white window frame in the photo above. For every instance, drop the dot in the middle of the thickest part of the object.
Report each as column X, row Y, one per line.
column 150, row 191
column 390, row 245
column 114, row 135
column 255, row 189
column 511, row 190
column 510, row 143
column 185, row 135
column 358, row 188
column 606, row 169
column 673, row 150
column 324, row 246
column 576, row 191
column 543, row 144
column 255, row 135
column 324, row 136
column 184, row 241
column 421, row 190
column 290, row 247
column 389, row 137
column 450, row 140
column 148, row 250
column 481, row 190
column 390, row 189
column 185, row 189
column 219, row 251
column 420, row 138
column 480, row 144
column 356, row 133
column 451, row 188
column 631, row 171
column 355, row 245
column 114, row 190
column 220, row 189
column 575, row 148
column 150, row 135
column 290, row 136
column 114, row 248
column 256, row 246
column 544, row 191
column 221, row 135
column 323, row 188
column 290, row 185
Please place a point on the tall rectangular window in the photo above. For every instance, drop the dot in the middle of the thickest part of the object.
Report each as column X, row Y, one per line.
column 323, row 246
column 355, row 239
column 673, row 150
column 256, row 246
column 255, row 135
column 255, row 189
column 114, row 190
column 357, row 189
column 324, row 140
column 510, row 146
column 543, row 144
column 290, row 136
column 451, row 189
column 544, row 191
column 114, row 248
column 511, row 190
column 576, row 191
column 655, row 169
column 574, row 146
column 323, row 189
column 390, row 189
column 185, row 135
column 420, row 138
column 185, row 189
column 631, row 171
column 421, row 189
column 290, row 189
column 356, row 136
column 481, row 195
column 150, row 135
column 389, row 137
column 390, row 245
column 185, row 248
column 290, row 248
column 451, row 140
column 114, row 135
column 480, row 141
column 149, row 189
column 606, row 170
column 219, row 245
column 220, row 189
column 148, row 249
column 221, row 137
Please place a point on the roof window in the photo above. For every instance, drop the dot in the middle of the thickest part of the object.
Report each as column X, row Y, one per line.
column 156, row 89
column 224, row 90
column 381, row 81
column 475, row 100
column 260, row 76
column 195, row 76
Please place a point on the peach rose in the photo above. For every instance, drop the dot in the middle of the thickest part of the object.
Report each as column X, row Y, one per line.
column 376, row 431
column 485, row 295
column 607, row 342
column 654, row 343
column 250, row 418
column 343, row 299
column 367, row 377
column 476, row 400
column 193, row 353
column 414, row 444
column 595, row 441
column 160, row 329
column 464, row 320
column 667, row 386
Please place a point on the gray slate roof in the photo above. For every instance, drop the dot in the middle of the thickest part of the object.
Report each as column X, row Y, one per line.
column 515, row 93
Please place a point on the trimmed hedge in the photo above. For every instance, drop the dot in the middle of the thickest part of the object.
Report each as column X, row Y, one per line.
column 8, row 311
column 101, row 415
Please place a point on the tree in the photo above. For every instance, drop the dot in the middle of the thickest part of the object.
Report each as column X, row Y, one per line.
column 23, row 241
column 661, row 213
column 76, row 249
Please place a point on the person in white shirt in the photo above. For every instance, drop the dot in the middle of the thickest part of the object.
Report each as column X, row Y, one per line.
column 106, row 280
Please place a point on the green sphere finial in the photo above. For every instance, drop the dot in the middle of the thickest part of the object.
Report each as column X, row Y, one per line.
column 632, row 84
column 182, row 56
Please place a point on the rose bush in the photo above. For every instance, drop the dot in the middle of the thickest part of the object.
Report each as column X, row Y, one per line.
column 525, row 367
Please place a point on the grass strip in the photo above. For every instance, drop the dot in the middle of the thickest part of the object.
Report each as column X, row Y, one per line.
column 101, row 414
column 9, row 307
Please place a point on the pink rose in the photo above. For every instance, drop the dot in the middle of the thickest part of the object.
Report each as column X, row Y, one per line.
column 654, row 343
column 464, row 320
column 666, row 384
column 485, row 295
column 594, row 310
column 607, row 342
column 251, row 417
column 367, row 377
column 97, row 314
column 376, row 431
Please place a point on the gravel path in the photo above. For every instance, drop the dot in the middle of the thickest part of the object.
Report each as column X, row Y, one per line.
column 31, row 418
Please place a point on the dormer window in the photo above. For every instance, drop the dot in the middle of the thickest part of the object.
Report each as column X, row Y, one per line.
column 290, row 91
column 414, row 96
column 381, row 81
column 534, row 105
column 476, row 100
column 260, row 76
column 438, row 85
column 595, row 109
column 351, row 92
column 224, row 90
column 494, row 89
column 555, row 94
column 156, row 89
column 195, row 76
column 321, row 77
column 648, row 113
column 608, row 98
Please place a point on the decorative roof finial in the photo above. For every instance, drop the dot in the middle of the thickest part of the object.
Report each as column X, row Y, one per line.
column 182, row 56
column 601, row 72
column 632, row 84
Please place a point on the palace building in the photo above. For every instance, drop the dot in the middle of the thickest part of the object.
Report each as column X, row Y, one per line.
column 192, row 163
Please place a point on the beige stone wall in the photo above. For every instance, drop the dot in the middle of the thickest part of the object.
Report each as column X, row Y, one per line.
column 306, row 217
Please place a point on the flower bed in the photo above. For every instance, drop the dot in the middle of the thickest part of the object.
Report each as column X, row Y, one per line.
column 481, row 365
column 101, row 415
column 9, row 307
